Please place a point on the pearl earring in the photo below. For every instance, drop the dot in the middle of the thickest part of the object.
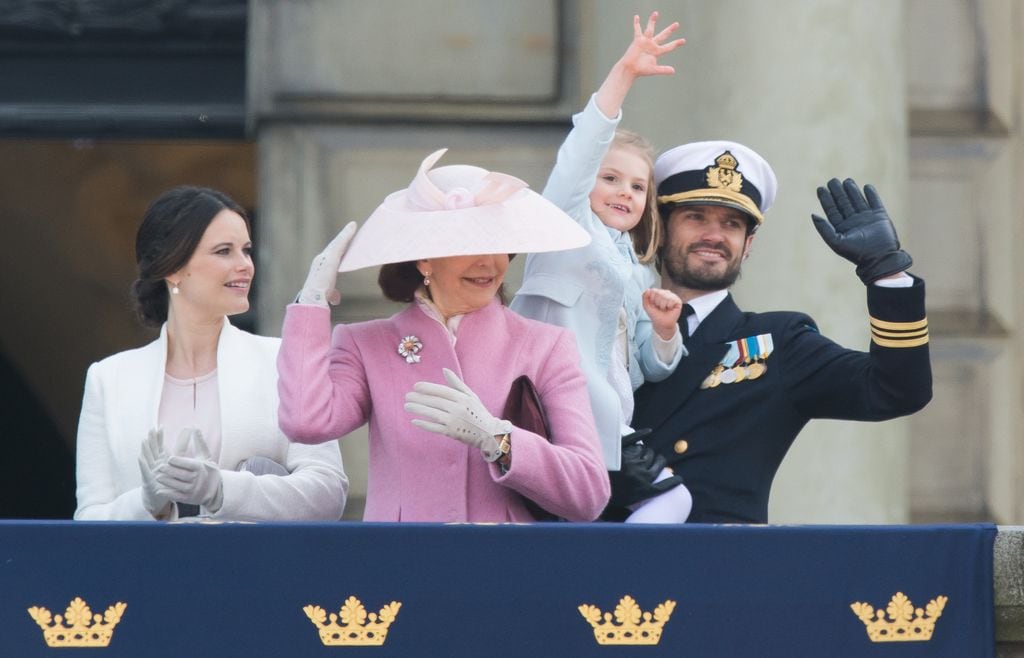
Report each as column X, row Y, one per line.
column 174, row 289
column 426, row 279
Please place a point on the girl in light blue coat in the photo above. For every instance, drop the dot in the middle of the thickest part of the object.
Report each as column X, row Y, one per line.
column 626, row 330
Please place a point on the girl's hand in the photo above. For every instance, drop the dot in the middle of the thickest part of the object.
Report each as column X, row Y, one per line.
column 640, row 60
column 641, row 57
column 664, row 308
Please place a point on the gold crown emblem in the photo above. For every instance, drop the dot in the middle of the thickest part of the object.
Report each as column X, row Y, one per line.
column 631, row 625
column 82, row 629
column 354, row 629
column 727, row 160
column 905, row 624
column 725, row 176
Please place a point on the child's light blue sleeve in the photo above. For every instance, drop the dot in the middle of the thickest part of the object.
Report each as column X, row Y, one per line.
column 579, row 159
column 653, row 368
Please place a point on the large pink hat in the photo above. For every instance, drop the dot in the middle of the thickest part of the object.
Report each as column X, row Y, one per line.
column 460, row 210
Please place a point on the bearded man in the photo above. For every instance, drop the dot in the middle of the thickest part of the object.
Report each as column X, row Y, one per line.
column 726, row 417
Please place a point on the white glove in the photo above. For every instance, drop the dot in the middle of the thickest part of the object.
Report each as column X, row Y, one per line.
column 194, row 480
column 323, row 272
column 155, row 498
column 456, row 411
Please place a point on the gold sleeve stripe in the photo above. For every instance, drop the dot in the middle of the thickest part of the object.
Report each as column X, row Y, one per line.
column 906, row 335
column 884, row 342
column 899, row 326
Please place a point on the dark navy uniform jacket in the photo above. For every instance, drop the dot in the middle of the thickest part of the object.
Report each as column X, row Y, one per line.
column 728, row 441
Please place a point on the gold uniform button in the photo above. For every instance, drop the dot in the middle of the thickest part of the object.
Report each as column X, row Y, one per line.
column 680, row 446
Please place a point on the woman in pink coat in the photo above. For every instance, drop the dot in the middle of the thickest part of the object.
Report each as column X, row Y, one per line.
column 433, row 380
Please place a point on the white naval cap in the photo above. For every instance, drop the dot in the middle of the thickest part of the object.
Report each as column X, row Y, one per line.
column 718, row 173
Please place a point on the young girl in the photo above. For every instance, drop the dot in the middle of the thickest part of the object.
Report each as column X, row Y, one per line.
column 626, row 331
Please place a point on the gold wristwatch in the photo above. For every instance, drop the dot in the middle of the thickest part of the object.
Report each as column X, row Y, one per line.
column 504, row 447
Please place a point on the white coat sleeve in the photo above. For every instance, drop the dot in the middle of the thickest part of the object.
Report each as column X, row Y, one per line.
column 99, row 495
column 314, row 490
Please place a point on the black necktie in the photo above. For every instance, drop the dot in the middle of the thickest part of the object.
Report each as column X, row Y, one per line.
column 685, row 328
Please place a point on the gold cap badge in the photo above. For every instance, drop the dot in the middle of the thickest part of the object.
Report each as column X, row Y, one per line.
column 725, row 176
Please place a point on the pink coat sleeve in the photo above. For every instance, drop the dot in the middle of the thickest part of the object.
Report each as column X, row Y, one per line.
column 321, row 383
column 565, row 476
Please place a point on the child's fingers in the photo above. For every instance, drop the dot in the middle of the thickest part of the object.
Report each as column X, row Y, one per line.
column 670, row 46
column 664, row 34
column 664, row 299
column 657, row 303
column 651, row 22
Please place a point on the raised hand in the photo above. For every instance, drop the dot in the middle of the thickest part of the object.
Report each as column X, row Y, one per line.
column 859, row 230
column 323, row 272
column 640, row 60
column 641, row 57
column 664, row 308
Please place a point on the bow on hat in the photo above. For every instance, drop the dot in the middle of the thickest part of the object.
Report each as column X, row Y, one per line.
column 493, row 187
column 460, row 210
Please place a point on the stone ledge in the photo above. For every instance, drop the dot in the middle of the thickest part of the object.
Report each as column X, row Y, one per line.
column 1008, row 576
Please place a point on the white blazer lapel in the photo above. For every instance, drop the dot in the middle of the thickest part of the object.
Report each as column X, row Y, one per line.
column 227, row 388
column 247, row 403
column 145, row 386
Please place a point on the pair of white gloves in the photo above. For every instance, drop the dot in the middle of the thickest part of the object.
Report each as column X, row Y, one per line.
column 453, row 410
column 174, row 478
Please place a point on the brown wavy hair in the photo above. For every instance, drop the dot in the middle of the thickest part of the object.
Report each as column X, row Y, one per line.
column 647, row 234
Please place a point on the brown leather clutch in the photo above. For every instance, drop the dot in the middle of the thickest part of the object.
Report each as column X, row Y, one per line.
column 524, row 410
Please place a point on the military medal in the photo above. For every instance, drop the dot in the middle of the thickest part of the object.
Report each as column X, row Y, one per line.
column 712, row 380
column 743, row 360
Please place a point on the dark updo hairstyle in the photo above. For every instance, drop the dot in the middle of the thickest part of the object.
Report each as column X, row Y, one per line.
column 168, row 236
column 399, row 282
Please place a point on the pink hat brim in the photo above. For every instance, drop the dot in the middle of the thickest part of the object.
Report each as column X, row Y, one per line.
column 524, row 223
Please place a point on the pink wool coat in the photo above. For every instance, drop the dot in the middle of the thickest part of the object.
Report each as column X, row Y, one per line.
column 330, row 386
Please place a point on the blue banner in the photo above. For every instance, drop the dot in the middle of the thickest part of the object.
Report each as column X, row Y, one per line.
column 495, row 590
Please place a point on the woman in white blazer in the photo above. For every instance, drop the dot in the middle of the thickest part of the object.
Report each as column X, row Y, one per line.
column 187, row 425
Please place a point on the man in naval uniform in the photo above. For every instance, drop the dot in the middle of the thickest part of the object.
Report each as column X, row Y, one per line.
column 726, row 417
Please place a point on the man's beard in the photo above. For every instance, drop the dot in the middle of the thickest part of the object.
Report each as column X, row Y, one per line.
column 702, row 277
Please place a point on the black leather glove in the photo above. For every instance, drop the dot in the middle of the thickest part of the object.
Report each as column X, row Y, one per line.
column 640, row 466
column 860, row 230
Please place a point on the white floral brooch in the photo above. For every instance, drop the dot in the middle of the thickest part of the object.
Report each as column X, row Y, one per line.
column 409, row 349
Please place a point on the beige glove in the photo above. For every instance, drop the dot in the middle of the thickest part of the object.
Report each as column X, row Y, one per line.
column 194, row 480
column 155, row 498
column 456, row 411
column 323, row 272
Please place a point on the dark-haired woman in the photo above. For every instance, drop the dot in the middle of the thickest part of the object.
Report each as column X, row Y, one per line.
column 187, row 425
